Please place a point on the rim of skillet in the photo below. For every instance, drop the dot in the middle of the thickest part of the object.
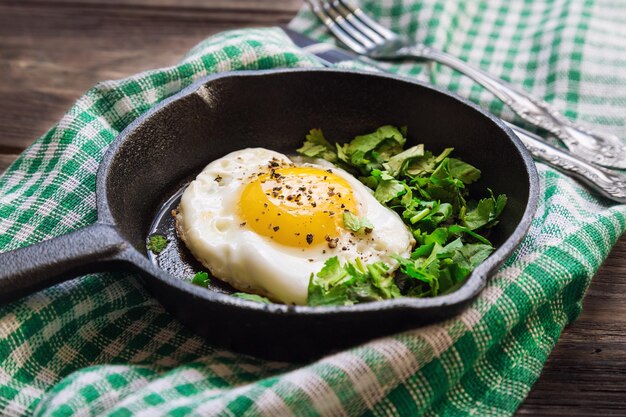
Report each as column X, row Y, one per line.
column 473, row 285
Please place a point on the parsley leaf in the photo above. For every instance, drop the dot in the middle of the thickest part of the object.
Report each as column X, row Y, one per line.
column 455, row 228
column 156, row 243
column 398, row 163
column 387, row 187
column 356, row 224
column 388, row 136
column 201, row 279
column 485, row 213
column 463, row 171
column 351, row 283
column 252, row 297
column 316, row 146
column 434, row 269
column 472, row 254
column 371, row 151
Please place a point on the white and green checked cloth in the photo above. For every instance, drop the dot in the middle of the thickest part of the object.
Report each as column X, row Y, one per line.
column 100, row 345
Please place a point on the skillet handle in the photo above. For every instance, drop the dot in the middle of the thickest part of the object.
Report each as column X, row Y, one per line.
column 90, row 249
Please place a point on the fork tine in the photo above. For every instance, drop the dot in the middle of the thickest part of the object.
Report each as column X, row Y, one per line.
column 339, row 33
column 354, row 21
column 346, row 26
column 356, row 10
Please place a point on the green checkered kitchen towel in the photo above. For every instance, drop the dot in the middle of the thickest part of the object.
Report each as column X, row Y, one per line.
column 101, row 345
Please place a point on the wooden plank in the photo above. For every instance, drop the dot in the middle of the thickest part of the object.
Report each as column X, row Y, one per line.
column 254, row 6
column 5, row 161
column 50, row 55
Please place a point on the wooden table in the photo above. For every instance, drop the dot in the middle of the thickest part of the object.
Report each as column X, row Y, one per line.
column 52, row 51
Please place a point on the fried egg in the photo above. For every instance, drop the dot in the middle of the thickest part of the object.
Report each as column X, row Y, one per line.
column 264, row 222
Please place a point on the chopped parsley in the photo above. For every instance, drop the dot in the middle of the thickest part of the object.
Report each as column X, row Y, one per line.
column 355, row 223
column 201, row 279
column 317, row 146
column 429, row 191
column 156, row 243
column 251, row 297
column 351, row 283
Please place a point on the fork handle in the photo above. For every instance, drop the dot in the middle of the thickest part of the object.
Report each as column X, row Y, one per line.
column 599, row 147
column 610, row 184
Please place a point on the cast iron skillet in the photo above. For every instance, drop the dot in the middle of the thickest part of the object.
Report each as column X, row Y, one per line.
column 169, row 145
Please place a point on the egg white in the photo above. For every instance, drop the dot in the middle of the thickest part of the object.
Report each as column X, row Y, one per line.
column 208, row 222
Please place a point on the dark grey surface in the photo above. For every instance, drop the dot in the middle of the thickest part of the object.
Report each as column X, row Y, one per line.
column 23, row 271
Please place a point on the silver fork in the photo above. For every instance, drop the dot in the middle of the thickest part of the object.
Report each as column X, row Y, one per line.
column 364, row 36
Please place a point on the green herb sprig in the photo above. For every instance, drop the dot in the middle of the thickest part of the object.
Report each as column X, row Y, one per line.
column 356, row 224
column 252, row 297
column 201, row 279
column 156, row 243
column 351, row 283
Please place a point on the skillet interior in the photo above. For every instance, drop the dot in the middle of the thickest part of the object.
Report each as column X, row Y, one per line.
column 275, row 109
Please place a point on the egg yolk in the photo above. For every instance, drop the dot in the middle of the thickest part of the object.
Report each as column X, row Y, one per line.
column 296, row 206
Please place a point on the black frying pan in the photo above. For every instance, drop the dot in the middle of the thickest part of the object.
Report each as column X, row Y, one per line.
column 170, row 144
